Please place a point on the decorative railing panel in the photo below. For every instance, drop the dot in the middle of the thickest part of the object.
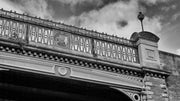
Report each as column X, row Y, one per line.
column 81, row 44
column 40, row 35
column 60, row 37
column 115, row 51
column 12, row 30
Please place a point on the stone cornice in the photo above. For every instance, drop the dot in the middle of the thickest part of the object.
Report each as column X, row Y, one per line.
column 145, row 35
column 168, row 53
column 51, row 55
column 155, row 72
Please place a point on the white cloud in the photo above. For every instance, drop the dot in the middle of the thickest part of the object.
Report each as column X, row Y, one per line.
column 176, row 16
column 178, row 51
column 167, row 8
column 32, row 7
column 7, row 5
column 154, row 1
column 36, row 8
column 74, row 2
column 153, row 24
column 118, row 18
column 105, row 19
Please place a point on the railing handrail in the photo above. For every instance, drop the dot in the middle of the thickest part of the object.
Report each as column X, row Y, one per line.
column 58, row 25
column 66, row 38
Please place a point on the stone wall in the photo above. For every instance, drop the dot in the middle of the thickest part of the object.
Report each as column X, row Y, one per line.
column 171, row 62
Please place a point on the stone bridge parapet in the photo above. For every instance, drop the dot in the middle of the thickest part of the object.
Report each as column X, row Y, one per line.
column 131, row 66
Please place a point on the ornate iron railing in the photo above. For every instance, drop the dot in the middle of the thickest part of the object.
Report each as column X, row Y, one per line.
column 61, row 37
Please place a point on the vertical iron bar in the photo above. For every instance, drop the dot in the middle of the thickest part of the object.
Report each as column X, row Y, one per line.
column 142, row 26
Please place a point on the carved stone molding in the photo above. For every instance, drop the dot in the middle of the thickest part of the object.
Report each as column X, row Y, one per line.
column 145, row 35
column 69, row 60
column 62, row 71
column 134, row 95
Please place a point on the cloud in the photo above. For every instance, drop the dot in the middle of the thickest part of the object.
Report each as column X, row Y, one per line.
column 176, row 16
column 8, row 5
column 76, row 7
column 75, row 2
column 167, row 8
column 32, row 7
column 36, row 8
column 153, row 24
column 154, row 1
column 178, row 51
column 115, row 18
column 119, row 18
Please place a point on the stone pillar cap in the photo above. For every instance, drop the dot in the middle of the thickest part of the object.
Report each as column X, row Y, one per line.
column 144, row 35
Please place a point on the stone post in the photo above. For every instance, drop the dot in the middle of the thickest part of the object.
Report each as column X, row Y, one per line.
column 147, row 48
column 155, row 88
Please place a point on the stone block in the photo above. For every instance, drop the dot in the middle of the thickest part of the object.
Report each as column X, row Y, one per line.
column 163, row 86
column 148, row 83
column 148, row 88
column 165, row 95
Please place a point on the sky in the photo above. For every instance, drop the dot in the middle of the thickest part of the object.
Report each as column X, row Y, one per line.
column 114, row 17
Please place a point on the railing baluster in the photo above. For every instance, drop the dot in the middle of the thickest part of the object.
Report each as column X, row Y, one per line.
column 46, row 33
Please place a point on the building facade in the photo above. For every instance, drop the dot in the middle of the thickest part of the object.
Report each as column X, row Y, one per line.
column 171, row 62
column 46, row 60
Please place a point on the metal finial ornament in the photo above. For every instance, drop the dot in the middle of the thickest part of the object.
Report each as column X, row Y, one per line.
column 141, row 17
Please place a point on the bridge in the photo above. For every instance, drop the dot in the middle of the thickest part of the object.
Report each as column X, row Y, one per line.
column 46, row 60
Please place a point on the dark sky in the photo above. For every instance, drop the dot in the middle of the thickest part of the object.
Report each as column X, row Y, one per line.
column 115, row 17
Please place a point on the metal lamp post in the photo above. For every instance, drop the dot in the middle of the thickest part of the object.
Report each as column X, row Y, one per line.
column 141, row 17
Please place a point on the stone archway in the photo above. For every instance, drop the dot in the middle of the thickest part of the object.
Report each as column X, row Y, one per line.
column 20, row 86
column 132, row 95
column 119, row 96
